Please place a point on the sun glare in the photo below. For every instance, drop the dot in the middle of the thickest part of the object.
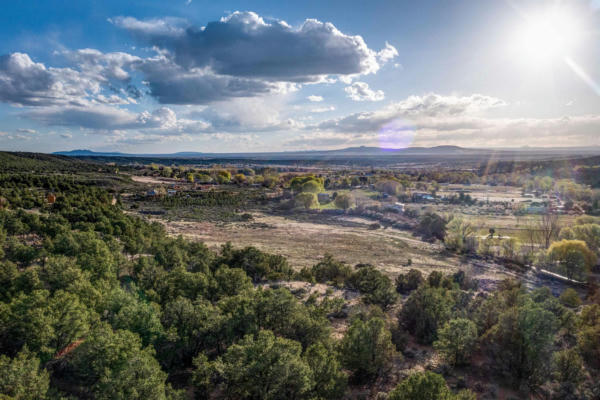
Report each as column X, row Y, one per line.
column 545, row 37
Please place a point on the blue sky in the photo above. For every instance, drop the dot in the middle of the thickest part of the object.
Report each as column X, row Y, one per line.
column 156, row 76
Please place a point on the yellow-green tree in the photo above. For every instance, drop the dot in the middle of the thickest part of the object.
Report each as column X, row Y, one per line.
column 572, row 257
column 307, row 200
column 457, row 232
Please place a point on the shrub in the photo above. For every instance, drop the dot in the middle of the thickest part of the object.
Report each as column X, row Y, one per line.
column 375, row 286
column 570, row 298
column 406, row 283
column 426, row 386
column 432, row 226
column 344, row 201
column 330, row 270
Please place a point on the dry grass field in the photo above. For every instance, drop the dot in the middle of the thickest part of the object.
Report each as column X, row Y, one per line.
column 305, row 241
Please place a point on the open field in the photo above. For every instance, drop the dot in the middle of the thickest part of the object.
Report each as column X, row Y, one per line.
column 306, row 238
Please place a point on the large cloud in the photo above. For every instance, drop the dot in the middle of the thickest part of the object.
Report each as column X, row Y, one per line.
column 431, row 109
column 24, row 82
column 103, row 66
column 435, row 119
column 247, row 115
column 105, row 119
column 171, row 84
column 245, row 45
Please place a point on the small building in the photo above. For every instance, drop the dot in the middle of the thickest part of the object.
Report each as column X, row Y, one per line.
column 323, row 197
column 51, row 198
column 399, row 207
column 536, row 208
column 154, row 193
column 422, row 197
column 396, row 207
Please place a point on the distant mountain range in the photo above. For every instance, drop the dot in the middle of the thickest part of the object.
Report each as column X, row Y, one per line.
column 362, row 151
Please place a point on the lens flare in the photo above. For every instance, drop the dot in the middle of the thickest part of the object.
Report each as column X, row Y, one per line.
column 583, row 75
column 396, row 134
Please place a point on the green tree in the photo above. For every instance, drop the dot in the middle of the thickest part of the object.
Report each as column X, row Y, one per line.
column 192, row 327
column 27, row 320
column 588, row 341
column 203, row 376
column 457, row 340
column 113, row 365
column 223, row 176
column 265, row 367
column 521, row 342
column 231, row 281
column 257, row 264
column 298, row 181
column 203, row 178
column 71, row 319
column 139, row 317
column 21, row 378
column 367, row 348
column 278, row 310
column 329, row 380
column 422, row 386
column 568, row 367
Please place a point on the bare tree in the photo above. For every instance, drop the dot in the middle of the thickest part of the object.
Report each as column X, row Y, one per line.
column 532, row 234
column 549, row 227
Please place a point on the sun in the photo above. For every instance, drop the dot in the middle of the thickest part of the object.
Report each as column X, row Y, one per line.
column 545, row 38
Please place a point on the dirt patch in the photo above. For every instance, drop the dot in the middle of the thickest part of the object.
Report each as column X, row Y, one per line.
column 152, row 180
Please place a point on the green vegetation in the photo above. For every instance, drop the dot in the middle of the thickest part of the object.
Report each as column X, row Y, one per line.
column 425, row 386
column 98, row 303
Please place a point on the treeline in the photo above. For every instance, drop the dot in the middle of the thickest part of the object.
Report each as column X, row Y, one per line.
column 572, row 251
column 582, row 169
column 20, row 162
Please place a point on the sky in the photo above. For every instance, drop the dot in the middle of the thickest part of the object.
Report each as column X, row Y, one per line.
column 241, row 76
